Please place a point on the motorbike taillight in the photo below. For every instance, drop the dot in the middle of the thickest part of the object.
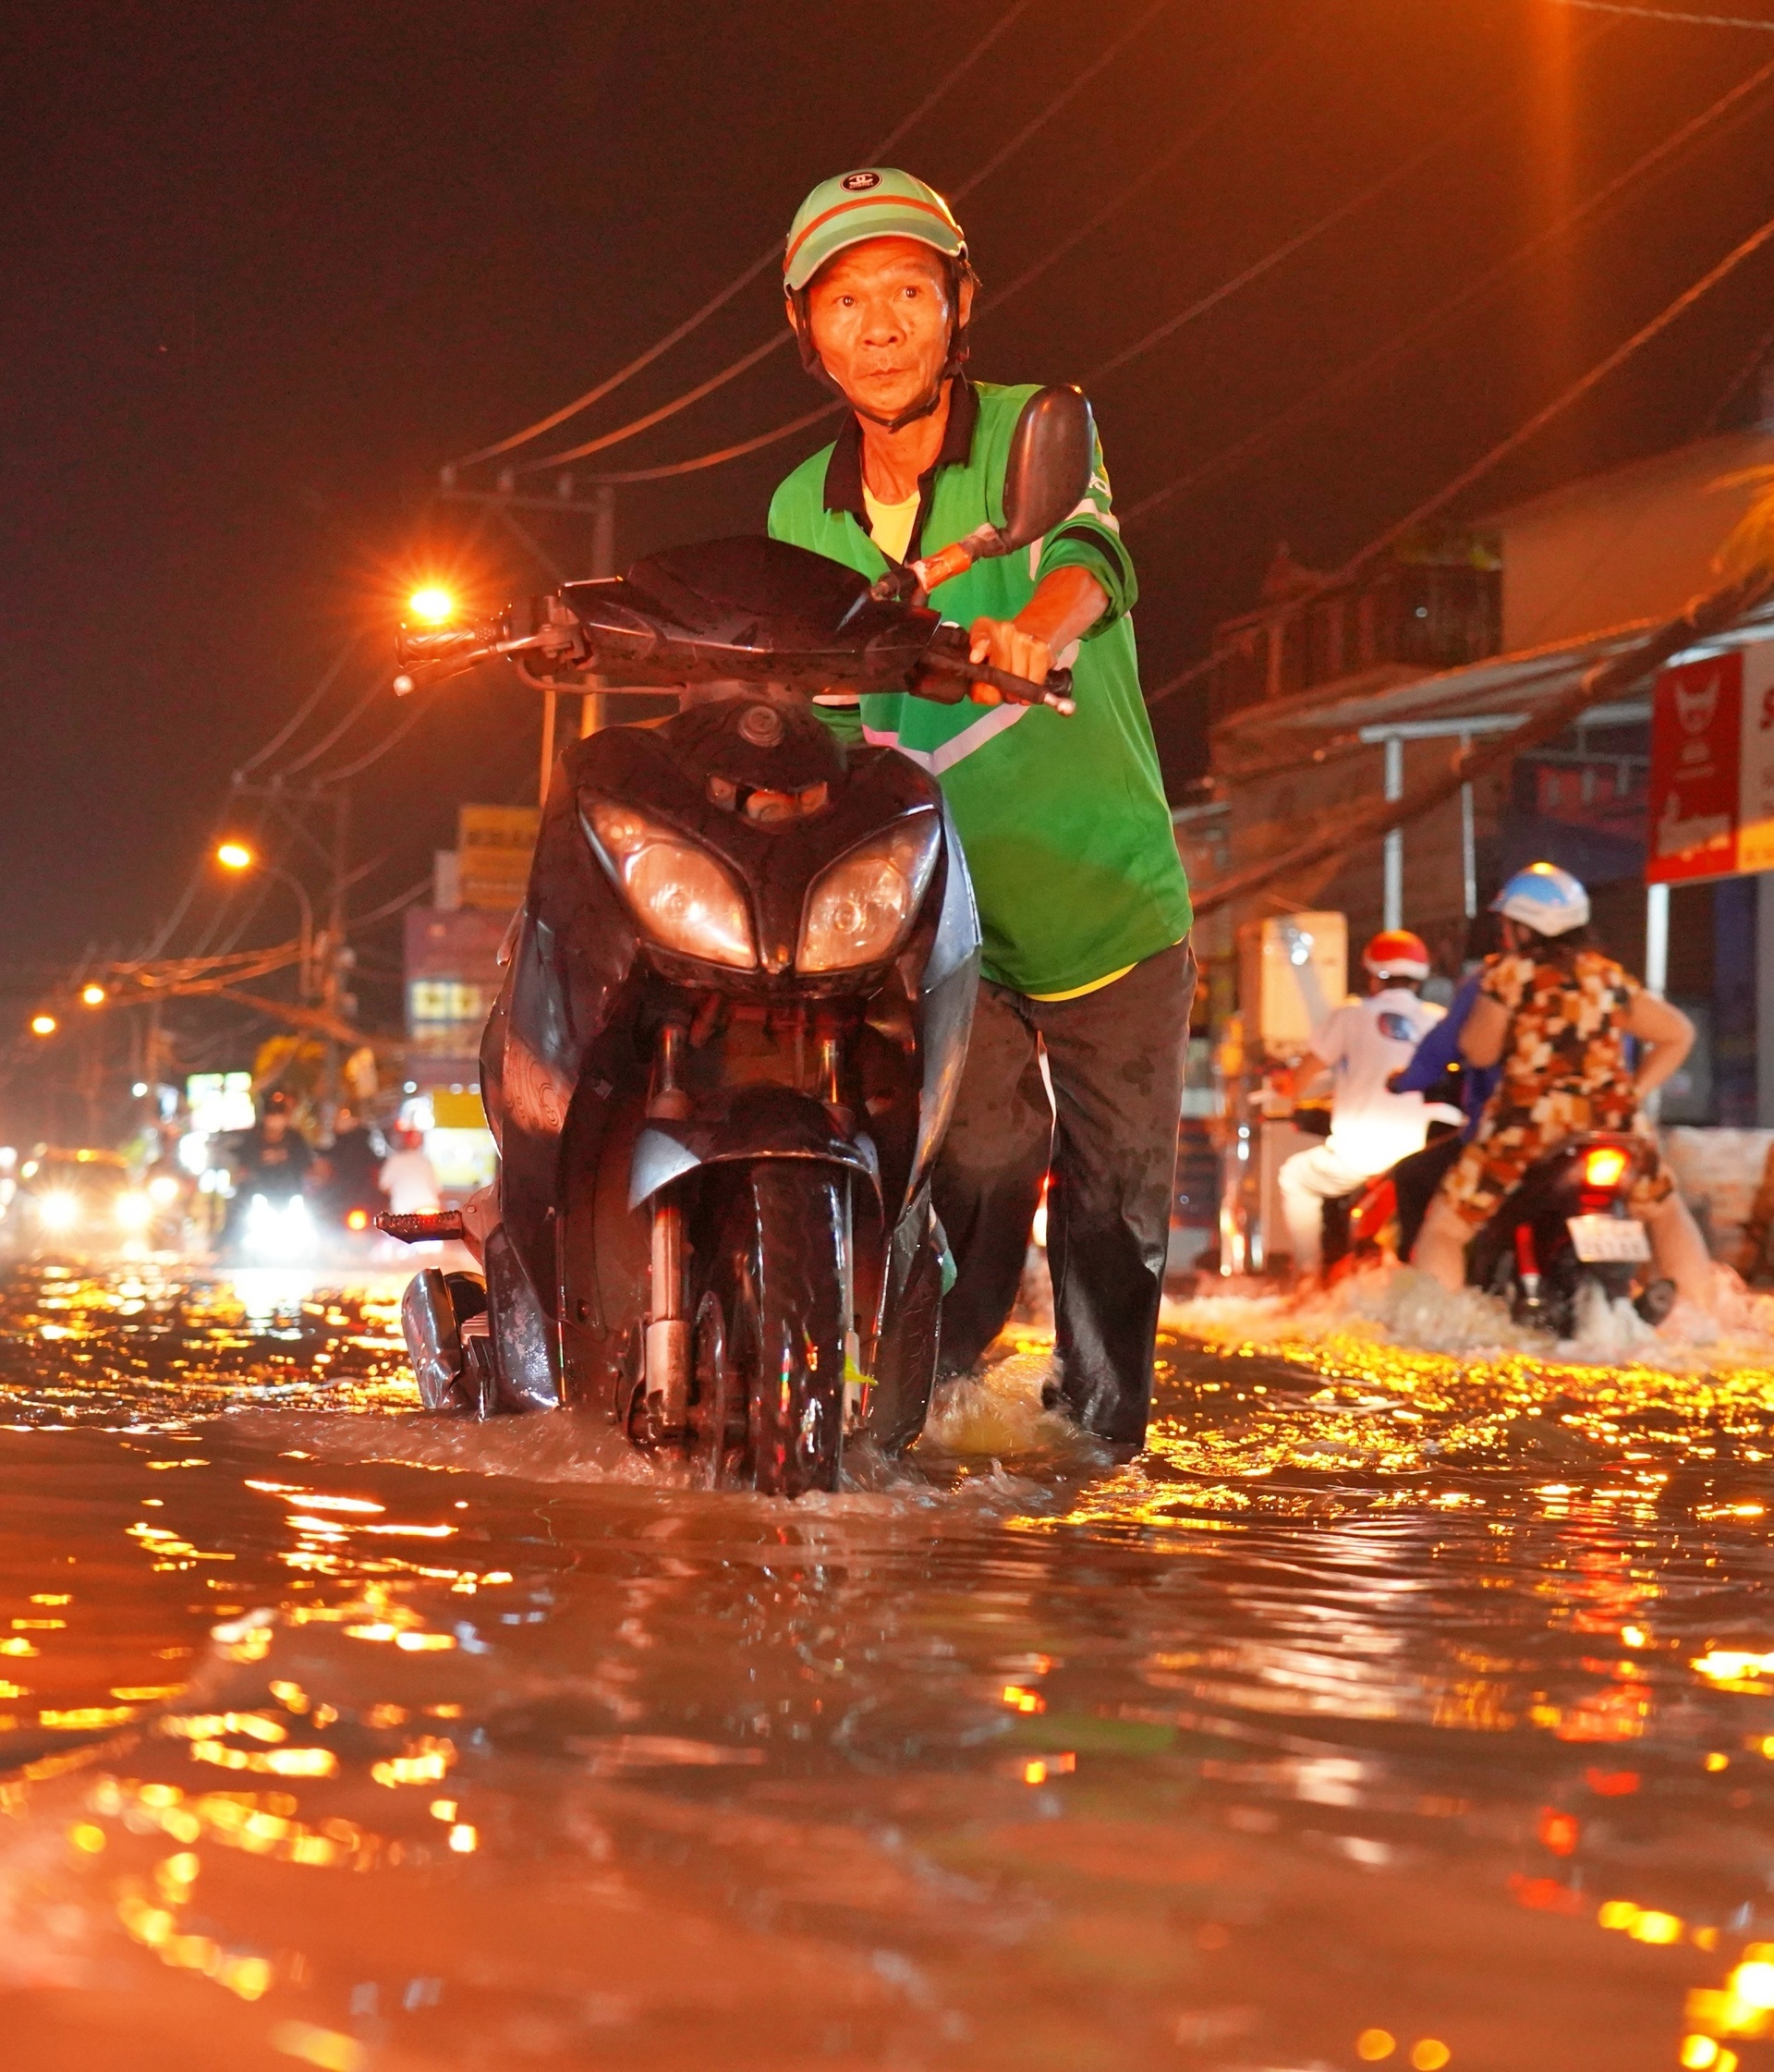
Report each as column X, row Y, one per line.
column 1602, row 1167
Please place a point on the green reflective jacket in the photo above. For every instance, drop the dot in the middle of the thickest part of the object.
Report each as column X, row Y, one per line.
column 1064, row 820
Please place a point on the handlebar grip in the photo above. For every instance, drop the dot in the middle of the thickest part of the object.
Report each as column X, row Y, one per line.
column 440, row 646
column 949, row 662
column 1024, row 691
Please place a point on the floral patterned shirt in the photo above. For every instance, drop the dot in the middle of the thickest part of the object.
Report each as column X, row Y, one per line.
column 1564, row 1064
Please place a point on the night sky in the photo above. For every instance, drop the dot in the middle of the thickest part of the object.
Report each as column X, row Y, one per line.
column 270, row 265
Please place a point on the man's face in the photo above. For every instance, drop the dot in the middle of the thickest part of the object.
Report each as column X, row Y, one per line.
column 880, row 315
column 277, row 1122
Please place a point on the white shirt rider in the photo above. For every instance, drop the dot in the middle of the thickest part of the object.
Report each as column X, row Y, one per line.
column 1364, row 1043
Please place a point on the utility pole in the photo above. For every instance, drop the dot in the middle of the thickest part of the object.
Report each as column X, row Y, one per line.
column 507, row 501
column 603, row 563
column 337, row 952
column 332, row 956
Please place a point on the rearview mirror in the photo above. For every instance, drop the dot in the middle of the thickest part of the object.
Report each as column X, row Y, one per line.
column 1053, row 451
column 1047, row 472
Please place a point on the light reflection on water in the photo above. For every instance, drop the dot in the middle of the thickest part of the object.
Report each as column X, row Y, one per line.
column 1389, row 1705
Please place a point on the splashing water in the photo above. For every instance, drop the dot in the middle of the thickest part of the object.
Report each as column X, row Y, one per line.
column 1409, row 1701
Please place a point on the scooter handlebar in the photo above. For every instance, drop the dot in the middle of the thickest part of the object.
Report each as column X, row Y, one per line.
column 953, row 672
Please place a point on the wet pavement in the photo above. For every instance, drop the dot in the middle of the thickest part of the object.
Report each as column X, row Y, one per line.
column 1395, row 1709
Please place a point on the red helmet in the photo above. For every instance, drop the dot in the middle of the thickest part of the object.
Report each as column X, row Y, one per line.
column 1396, row 953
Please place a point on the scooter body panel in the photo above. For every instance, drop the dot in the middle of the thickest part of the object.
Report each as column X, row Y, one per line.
column 569, row 1052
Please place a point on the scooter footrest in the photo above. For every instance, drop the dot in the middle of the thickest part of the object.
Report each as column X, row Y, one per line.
column 438, row 1229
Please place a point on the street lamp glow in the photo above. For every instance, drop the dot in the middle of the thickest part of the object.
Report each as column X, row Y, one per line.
column 93, row 995
column 43, row 1024
column 234, row 856
column 432, row 603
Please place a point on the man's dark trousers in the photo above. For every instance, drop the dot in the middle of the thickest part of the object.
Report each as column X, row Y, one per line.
column 1115, row 1057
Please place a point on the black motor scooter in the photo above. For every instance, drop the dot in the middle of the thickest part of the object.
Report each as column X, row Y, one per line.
column 734, row 1011
column 1569, row 1226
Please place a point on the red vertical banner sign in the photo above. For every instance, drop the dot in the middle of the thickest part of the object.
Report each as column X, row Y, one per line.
column 1756, row 810
column 1696, row 736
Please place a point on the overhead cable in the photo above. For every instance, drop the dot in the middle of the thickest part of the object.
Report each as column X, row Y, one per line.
column 780, row 336
column 1757, row 360
column 774, row 343
column 391, row 907
column 1399, row 343
column 699, row 461
column 1188, row 141
column 399, row 733
column 328, row 677
column 986, row 303
column 1519, row 437
column 1104, row 57
column 1666, row 14
column 1313, row 231
column 771, row 254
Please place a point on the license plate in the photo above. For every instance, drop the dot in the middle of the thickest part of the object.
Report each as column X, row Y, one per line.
column 1607, row 1237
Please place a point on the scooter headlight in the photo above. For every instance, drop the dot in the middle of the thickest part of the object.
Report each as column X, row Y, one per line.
column 858, row 912
column 60, row 1209
column 680, row 894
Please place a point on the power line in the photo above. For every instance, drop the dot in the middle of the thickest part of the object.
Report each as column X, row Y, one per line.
column 348, row 770
column 1399, row 343
column 772, row 253
column 1763, row 347
column 781, row 337
column 1106, row 57
column 1342, row 214
column 645, row 422
column 1189, row 140
column 390, row 907
column 697, row 462
column 1665, row 14
column 1523, row 433
column 328, row 677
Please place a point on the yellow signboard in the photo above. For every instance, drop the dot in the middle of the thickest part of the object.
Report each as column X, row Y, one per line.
column 494, row 844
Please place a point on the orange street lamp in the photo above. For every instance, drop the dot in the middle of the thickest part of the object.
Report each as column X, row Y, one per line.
column 93, row 995
column 237, row 856
column 432, row 603
column 43, row 1024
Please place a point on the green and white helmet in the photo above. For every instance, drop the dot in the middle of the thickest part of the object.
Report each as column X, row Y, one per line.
column 873, row 202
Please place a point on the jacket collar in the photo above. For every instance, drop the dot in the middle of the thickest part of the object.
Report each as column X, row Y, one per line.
column 843, row 470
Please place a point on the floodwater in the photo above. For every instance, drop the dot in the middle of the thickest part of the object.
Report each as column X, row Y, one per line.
column 1412, row 1709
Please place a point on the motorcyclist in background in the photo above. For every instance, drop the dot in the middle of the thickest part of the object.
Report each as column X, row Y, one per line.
column 1553, row 1011
column 1360, row 1045
column 1438, row 1059
column 272, row 1160
column 353, row 1169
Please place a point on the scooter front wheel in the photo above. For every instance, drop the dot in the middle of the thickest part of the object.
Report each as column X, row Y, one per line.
column 774, row 1264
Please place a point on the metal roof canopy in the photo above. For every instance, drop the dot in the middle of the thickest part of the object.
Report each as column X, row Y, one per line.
column 1469, row 699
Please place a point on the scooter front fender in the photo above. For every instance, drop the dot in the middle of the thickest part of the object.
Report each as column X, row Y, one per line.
column 754, row 1122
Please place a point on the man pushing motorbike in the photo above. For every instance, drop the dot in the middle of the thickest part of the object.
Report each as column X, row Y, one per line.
column 1083, row 902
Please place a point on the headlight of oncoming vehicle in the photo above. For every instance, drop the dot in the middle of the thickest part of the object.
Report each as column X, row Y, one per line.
column 858, row 912
column 680, row 894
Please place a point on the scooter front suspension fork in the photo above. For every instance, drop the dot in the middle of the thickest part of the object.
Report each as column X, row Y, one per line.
column 667, row 1376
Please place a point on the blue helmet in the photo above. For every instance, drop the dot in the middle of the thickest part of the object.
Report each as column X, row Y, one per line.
column 1544, row 898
